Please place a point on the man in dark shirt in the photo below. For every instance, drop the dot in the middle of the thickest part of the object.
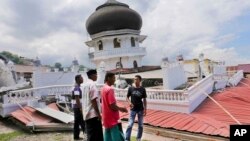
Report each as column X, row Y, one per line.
column 137, row 93
column 77, row 106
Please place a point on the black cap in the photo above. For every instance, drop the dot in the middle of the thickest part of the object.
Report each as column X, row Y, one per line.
column 91, row 72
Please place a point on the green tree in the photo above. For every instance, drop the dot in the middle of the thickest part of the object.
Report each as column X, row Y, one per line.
column 13, row 57
column 58, row 65
column 81, row 67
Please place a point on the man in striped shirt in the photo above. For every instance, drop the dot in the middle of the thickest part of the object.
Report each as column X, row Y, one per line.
column 92, row 114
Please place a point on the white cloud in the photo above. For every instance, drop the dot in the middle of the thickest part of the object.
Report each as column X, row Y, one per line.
column 55, row 30
column 218, row 54
column 62, row 46
column 180, row 26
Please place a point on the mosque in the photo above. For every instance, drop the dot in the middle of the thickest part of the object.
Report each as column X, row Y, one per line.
column 191, row 92
column 115, row 30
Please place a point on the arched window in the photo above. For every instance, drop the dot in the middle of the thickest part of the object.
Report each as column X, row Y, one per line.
column 100, row 46
column 135, row 64
column 132, row 41
column 117, row 43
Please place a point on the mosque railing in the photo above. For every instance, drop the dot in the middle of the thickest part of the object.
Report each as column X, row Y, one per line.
column 118, row 52
column 157, row 95
column 220, row 77
column 31, row 94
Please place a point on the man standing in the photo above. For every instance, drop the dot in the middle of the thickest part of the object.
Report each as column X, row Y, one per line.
column 137, row 93
column 77, row 106
column 110, row 111
column 91, row 111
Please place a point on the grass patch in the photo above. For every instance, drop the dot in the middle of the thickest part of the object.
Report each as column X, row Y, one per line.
column 58, row 137
column 134, row 139
column 9, row 136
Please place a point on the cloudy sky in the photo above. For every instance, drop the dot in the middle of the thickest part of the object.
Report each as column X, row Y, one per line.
column 54, row 30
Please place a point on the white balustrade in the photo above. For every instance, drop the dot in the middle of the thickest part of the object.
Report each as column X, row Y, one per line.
column 170, row 100
column 118, row 52
column 220, row 77
column 36, row 93
column 157, row 95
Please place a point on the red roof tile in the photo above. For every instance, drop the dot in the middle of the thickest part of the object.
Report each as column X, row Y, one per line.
column 208, row 118
column 244, row 67
column 37, row 118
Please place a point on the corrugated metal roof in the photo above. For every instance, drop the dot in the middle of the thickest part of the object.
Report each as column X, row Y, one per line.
column 208, row 118
column 244, row 67
column 61, row 116
column 25, row 116
column 38, row 116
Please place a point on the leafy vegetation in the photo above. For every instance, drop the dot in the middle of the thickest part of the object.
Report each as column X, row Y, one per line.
column 58, row 65
column 81, row 67
column 9, row 136
column 13, row 57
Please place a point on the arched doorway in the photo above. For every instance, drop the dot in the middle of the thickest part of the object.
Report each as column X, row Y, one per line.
column 116, row 43
column 100, row 45
column 135, row 64
column 132, row 41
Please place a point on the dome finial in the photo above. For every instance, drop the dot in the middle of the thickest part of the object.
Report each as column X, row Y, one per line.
column 111, row 0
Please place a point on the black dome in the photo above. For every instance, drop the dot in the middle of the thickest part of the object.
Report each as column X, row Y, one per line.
column 113, row 16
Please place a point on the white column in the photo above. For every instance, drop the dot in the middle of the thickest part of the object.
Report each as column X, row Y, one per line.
column 173, row 75
column 164, row 67
column 101, row 72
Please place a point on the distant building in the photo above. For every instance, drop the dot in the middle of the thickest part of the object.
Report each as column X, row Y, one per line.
column 244, row 67
column 26, row 71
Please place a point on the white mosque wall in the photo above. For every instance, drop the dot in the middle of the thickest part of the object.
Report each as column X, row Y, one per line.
column 184, row 101
column 110, row 55
column 190, row 69
column 109, row 46
column 41, row 79
column 220, row 76
column 220, row 84
column 235, row 79
column 205, row 67
column 220, row 81
column 127, row 62
column 219, row 69
column 199, row 91
column 173, row 75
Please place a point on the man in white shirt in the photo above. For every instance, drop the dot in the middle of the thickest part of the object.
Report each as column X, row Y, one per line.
column 91, row 112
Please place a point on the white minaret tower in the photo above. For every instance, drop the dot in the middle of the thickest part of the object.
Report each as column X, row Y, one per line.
column 114, row 29
column 75, row 65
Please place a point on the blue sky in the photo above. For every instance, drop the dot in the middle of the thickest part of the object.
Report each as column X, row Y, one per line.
column 241, row 28
column 55, row 30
